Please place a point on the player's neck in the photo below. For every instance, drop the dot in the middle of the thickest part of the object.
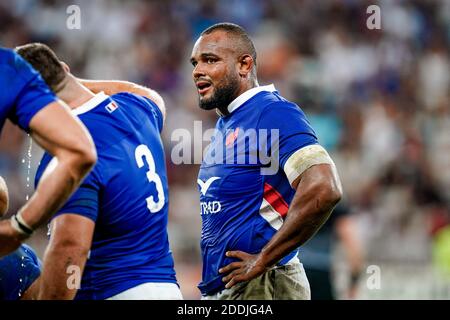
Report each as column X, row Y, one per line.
column 75, row 94
column 223, row 110
column 247, row 86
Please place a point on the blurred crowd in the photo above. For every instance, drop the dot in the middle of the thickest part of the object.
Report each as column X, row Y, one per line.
column 378, row 100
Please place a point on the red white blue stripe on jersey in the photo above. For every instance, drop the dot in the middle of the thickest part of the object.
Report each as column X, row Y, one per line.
column 273, row 207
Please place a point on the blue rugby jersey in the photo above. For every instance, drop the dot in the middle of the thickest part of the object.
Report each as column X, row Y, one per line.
column 241, row 208
column 18, row 271
column 22, row 90
column 126, row 195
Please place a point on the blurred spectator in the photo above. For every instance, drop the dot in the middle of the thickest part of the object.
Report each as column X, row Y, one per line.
column 317, row 255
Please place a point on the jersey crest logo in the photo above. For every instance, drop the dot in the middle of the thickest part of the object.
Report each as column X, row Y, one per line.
column 204, row 186
column 111, row 107
column 232, row 137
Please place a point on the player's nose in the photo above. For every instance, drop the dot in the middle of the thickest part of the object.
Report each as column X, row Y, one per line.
column 198, row 72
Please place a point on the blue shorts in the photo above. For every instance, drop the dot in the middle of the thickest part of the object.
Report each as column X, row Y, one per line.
column 18, row 271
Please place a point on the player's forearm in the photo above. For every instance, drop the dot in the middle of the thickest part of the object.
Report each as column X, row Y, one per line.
column 54, row 189
column 62, row 271
column 317, row 193
column 113, row 86
column 65, row 137
column 4, row 198
column 116, row 86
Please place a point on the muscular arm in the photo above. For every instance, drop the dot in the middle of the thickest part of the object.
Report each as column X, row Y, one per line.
column 65, row 257
column 63, row 136
column 318, row 190
column 66, row 138
column 113, row 87
column 4, row 199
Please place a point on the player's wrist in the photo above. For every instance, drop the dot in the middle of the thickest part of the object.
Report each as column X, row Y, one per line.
column 20, row 226
column 264, row 261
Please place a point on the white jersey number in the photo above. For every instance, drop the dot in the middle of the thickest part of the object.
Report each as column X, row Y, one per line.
column 143, row 152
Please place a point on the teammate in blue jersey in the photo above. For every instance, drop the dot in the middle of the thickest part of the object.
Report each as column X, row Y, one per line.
column 113, row 230
column 266, row 185
column 18, row 270
column 26, row 100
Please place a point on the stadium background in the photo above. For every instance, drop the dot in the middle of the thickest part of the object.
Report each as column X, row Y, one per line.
column 378, row 99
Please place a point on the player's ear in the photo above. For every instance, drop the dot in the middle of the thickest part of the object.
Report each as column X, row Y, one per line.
column 245, row 65
column 65, row 67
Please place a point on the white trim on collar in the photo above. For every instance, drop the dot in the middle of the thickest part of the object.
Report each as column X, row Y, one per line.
column 90, row 104
column 247, row 95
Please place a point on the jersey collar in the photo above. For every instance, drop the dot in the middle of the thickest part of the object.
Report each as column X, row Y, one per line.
column 247, row 95
column 90, row 104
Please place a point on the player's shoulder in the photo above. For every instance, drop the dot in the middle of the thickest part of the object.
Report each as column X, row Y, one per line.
column 127, row 98
column 104, row 107
column 11, row 59
column 12, row 64
column 266, row 99
column 7, row 55
column 145, row 104
column 8, row 62
column 102, row 118
column 282, row 113
column 275, row 103
column 135, row 104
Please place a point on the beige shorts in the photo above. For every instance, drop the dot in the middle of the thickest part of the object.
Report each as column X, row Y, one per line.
column 288, row 282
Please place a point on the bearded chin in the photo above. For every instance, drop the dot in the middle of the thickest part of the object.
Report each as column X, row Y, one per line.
column 221, row 97
column 207, row 104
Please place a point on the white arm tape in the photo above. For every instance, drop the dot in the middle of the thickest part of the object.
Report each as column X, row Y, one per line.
column 305, row 158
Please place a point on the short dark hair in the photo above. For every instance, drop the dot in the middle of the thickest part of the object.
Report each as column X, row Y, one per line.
column 236, row 30
column 45, row 61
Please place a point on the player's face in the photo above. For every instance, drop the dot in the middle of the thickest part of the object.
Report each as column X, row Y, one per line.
column 215, row 71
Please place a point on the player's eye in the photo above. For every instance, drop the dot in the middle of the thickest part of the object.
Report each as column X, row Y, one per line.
column 194, row 63
column 210, row 60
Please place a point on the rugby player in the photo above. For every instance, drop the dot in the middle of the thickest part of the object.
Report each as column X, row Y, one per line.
column 254, row 220
column 113, row 230
column 26, row 100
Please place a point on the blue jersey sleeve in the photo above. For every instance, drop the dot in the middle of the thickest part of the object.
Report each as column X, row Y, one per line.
column 149, row 106
column 294, row 130
column 157, row 112
column 85, row 200
column 29, row 92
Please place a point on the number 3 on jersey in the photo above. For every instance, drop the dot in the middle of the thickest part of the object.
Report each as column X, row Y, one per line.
column 143, row 152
